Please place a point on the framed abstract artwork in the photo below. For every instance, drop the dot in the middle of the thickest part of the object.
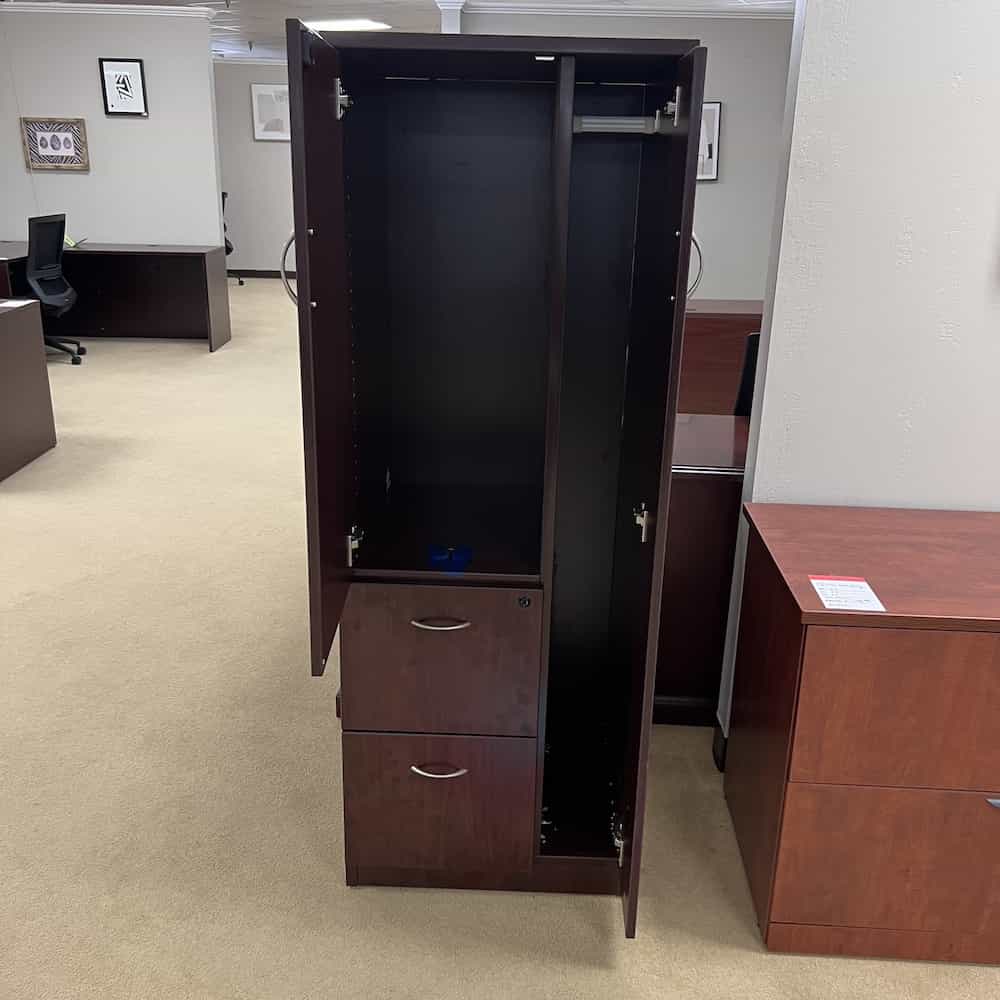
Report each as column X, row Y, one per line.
column 123, row 86
column 271, row 121
column 708, row 148
column 55, row 143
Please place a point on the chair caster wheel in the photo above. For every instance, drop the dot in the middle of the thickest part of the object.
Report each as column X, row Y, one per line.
column 76, row 360
column 81, row 351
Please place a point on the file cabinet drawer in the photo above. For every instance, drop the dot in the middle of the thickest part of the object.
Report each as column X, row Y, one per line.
column 910, row 859
column 463, row 803
column 432, row 659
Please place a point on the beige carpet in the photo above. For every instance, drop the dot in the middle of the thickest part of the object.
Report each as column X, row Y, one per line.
column 170, row 819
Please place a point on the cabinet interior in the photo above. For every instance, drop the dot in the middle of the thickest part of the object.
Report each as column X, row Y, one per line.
column 452, row 200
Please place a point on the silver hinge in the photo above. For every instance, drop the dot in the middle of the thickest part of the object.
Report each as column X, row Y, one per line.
column 353, row 543
column 645, row 519
column 618, row 837
column 342, row 99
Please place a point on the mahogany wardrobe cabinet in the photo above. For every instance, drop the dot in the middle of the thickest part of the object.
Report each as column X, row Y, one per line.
column 492, row 243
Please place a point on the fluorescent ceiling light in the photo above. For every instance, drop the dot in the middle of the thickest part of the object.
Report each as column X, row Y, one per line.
column 545, row 58
column 348, row 24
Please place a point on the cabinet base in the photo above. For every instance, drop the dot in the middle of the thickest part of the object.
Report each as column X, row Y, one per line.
column 866, row 942
column 593, row 876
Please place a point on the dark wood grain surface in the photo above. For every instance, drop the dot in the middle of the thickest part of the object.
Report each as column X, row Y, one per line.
column 710, row 441
column 15, row 249
column 480, row 821
column 930, row 568
column 480, row 679
column 715, row 334
column 665, row 219
column 907, row 859
column 899, row 707
column 917, row 946
column 27, row 427
column 171, row 292
column 325, row 350
column 763, row 712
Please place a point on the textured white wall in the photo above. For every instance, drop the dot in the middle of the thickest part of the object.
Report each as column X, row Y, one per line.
column 747, row 64
column 880, row 352
column 883, row 370
column 256, row 175
column 151, row 180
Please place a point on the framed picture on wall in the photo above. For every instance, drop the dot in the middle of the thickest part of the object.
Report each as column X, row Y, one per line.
column 123, row 86
column 55, row 143
column 708, row 148
column 269, row 105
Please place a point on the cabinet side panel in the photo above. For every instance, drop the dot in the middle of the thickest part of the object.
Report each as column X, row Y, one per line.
column 766, row 684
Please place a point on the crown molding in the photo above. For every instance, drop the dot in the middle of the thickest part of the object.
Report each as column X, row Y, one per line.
column 137, row 10
column 636, row 8
column 236, row 60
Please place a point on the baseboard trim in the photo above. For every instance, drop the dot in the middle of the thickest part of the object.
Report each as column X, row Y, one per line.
column 669, row 710
column 720, row 744
column 247, row 273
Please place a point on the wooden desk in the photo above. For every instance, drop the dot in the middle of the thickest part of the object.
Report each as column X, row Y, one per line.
column 136, row 290
column 715, row 334
column 705, row 493
column 863, row 765
column 27, row 428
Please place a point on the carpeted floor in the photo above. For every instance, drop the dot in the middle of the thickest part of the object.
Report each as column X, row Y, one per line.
column 169, row 772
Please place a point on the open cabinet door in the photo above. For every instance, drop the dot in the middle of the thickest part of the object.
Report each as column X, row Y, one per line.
column 659, row 290
column 324, row 327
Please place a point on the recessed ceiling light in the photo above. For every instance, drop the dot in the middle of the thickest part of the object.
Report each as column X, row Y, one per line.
column 545, row 58
column 348, row 24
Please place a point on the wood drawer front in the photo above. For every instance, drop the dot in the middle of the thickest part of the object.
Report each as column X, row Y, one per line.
column 480, row 821
column 478, row 679
column 908, row 707
column 895, row 858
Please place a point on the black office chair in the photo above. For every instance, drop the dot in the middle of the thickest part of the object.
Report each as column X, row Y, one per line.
column 744, row 397
column 45, row 277
column 225, row 235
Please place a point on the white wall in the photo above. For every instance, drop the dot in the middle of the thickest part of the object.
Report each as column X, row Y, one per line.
column 256, row 175
column 880, row 354
column 747, row 65
column 151, row 180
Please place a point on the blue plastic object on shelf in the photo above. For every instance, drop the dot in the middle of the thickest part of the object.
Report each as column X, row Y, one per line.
column 445, row 559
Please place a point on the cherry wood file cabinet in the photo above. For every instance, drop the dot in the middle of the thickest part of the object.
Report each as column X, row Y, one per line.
column 492, row 245
column 863, row 767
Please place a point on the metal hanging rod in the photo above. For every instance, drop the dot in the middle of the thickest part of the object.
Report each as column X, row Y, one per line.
column 663, row 122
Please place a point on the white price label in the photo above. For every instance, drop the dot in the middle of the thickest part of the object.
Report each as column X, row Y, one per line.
column 846, row 593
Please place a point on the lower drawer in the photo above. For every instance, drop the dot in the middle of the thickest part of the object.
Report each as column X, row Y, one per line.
column 464, row 803
column 895, row 858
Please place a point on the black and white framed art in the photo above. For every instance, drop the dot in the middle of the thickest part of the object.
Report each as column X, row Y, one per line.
column 123, row 86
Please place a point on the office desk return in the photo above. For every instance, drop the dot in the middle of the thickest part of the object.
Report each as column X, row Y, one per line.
column 136, row 290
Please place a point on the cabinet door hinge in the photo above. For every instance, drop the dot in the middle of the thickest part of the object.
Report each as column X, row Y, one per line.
column 618, row 837
column 353, row 544
column 342, row 100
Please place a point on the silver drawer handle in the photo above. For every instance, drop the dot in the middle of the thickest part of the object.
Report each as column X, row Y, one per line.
column 994, row 802
column 440, row 624
column 430, row 774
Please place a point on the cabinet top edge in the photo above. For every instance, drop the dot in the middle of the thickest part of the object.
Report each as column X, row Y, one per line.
column 931, row 569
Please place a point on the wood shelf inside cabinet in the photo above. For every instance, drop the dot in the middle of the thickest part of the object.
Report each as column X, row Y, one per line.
column 501, row 527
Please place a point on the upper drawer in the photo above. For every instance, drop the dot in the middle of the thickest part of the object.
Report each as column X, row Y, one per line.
column 431, row 659
column 893, row 706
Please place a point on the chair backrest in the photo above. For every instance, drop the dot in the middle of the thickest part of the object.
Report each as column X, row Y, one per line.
column 744, row 397
column 45, row 246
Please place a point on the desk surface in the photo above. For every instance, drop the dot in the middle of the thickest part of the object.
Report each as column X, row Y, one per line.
column 17, row 249
column 710, row 441
column 929, row 568
column 725, row 307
